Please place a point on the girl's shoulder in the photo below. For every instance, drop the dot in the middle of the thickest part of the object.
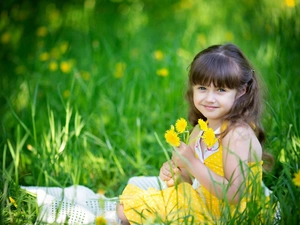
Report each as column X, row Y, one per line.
column 240, row 131
column 242, row 140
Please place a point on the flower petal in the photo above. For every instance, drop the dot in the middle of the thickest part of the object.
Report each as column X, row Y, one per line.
column 296, row 179
column 172, row 138
column 181, row 125
column 202, row 124
column 209, row 138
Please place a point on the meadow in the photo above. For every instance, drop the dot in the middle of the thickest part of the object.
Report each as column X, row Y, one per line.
column 89, row 87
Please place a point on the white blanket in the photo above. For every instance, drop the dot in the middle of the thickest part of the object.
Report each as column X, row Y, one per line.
column 72, row 205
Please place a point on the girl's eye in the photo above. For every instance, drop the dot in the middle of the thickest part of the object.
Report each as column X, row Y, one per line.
column 201, row 88
column 222, row 90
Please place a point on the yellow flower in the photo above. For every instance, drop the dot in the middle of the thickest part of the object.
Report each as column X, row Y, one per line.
column 181, row 125
column 66, row 93
column 162, row 72
column 65, row 67
column 101, row 191
column 120, row 69
column 201, row 39
column 85, row 75
column 202, row 124
column 290, row 3
column 6, row 37
column 100, row 220
column 229, row 36
column 53, row 66
column 44, row 56
column 209, row 137
column 41, row 31
column 12, row 201
column 64, row 47
column 296, row 179
column 172, row 137
column 158, row 55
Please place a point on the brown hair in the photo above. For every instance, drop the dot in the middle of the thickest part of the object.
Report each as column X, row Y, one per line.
column 227, row 66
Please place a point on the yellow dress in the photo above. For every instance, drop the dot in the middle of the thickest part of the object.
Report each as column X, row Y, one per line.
column 183, row 203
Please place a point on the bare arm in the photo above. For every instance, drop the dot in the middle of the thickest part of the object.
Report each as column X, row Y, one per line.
column 236, row 152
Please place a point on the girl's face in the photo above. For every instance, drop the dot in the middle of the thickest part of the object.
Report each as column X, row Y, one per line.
column 214, row 102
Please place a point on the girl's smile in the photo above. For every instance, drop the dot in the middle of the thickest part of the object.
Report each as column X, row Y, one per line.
column 209, row 107
column 213, row 102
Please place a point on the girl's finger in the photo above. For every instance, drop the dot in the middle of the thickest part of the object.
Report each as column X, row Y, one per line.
column 177, row 170
column 170, row 183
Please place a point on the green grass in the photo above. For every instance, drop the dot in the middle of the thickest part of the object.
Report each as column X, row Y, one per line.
column 53, row 121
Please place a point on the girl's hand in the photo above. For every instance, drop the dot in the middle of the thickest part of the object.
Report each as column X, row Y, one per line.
column 169, row 173
column 183, row 156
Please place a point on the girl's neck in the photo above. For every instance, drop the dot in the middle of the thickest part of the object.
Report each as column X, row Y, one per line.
column 214, row 124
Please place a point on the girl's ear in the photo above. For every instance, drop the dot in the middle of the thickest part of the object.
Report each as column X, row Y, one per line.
column 241, row 92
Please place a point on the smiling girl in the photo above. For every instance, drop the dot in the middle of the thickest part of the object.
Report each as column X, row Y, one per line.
column 217, row 181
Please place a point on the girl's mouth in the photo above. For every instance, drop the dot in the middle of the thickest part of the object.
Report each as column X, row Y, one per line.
column 210, row 107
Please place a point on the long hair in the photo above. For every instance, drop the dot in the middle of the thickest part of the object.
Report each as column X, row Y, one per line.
column 227, row 66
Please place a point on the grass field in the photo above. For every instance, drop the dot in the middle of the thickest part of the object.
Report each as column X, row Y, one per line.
column 86, row 86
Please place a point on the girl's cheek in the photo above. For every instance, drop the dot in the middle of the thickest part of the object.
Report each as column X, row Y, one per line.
column 195, row 99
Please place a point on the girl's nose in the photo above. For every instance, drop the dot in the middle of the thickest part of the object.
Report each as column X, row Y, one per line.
column 210, row 97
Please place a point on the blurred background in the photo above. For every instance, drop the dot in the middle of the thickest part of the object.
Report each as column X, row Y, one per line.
column 89, row 87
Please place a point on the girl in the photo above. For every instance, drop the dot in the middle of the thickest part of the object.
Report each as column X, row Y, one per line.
column 217, row 179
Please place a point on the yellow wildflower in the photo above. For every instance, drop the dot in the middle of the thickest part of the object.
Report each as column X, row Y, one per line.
column 100, row 220
column 172, row 137
column 65, row 67
column 120, row 69
column 209, row 137
column 158, row 55
column 229, row 36
column 6, row 37
column 29, row 147
column 41, row 31
column 201, row 39
column 290, row 3
column 66, row 93
column 162, row 72
column 296, row 179
column 12, row 201
column 64, row 47
column 54, row 16
column 101, row 191
column 181, row 125
column 53, row 66
column 85, row 75
column 202, row 124
column 44, row 56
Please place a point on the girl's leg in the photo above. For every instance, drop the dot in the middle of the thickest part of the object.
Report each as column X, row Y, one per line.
column 121, row 215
